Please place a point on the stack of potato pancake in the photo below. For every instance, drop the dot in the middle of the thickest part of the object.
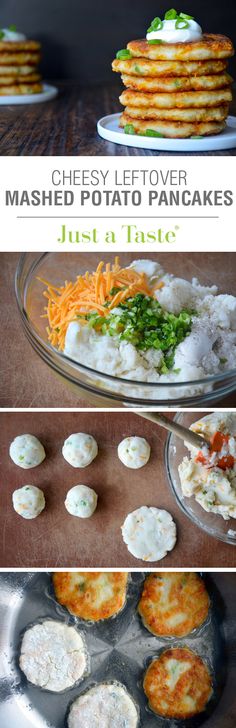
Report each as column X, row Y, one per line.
column 19, row 67
column 175, row 89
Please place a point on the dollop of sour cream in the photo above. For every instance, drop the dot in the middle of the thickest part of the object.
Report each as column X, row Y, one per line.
column 170, row 34
column 12, row 35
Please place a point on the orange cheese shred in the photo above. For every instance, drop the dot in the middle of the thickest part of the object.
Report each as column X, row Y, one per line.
column 99, row 292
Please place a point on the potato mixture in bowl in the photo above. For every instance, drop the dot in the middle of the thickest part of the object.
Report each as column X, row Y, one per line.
column 142, row 324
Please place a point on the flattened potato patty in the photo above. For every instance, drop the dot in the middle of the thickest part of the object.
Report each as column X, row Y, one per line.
column 145, row 67
column 19, row 59
column 178, row 684
column 21, row 89
column 188, row 99
column 96, row 595
column 210, row 46
column 175, row 129
column 173, row 604
column 217, row 113
column 181, row 83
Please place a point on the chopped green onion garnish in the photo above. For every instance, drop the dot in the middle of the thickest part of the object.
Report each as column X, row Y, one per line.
column 142, row 322
column 137, row 69
column 123, row 54
column 12, row 27
column 155, row 41
column 186, row 17
column 129, row 129
column 171, row 14
column 156, row 24
column 153, row 133
column 1, row 34
column 181, row 23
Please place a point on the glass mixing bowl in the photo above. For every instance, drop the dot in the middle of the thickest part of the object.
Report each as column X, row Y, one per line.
column 175, row 450
column 100, row 389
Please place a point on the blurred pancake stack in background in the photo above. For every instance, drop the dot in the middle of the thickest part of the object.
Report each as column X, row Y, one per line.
column 177, row 89
column 19, row 59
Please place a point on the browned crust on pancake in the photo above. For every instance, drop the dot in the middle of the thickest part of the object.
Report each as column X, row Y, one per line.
column 169, row 68
column 215, row 113
column 167, row 597
column 19, row 45
column 21, row 89
column 82, row 602
column 186, row 99
column 19, row 59
column 172, row 84
column 210, row 46
column 195, row 682
column 173, row 129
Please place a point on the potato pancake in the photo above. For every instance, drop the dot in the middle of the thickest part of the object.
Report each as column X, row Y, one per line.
column 173, row 603
column 24, row 78
column 181, row 100
column 178, row 684
column 210, row 46
column 19, row 59
column 16, row 70
column 145, row 67
column 21, row 89
column 218, row 113
column 172, row 130
column 180, row 83
column 91, row 595
column 19, row 45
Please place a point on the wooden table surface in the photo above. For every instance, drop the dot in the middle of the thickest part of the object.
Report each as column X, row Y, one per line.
column 67, row 125
column 26, row 381
column 55, row 538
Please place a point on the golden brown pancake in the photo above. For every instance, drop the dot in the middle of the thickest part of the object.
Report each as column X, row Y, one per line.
column 172, row 129
column 180, row 100
column 91, row 595
column 16, row 70
column 173, row 604
column 178, row 684
column 19, row 45
column 213, row 113
column 145, row 67
column 180, row 83
column 21, row 89
column 19, row 59
column 210, row 46
column 15, row 79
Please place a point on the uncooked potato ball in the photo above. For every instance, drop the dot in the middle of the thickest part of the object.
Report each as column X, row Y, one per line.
column 26, row 451
column 134, row 452
column 28, row 501
column 81, row 501
column 80, row 449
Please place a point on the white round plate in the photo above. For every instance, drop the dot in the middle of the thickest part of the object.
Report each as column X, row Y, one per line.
column 108, row 128
column 48, row 93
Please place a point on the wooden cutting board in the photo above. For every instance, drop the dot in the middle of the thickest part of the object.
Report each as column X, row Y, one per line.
column 56, row 539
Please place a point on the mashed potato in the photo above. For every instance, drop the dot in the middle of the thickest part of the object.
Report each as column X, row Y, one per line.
column 134, row 452
column 53, row 655
column 210, row 347
column 212, row 487
column 26, row 451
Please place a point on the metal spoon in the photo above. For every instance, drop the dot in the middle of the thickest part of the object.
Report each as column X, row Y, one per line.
column 183, row 432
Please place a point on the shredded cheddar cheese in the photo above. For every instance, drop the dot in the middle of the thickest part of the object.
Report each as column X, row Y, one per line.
column 99, row 292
